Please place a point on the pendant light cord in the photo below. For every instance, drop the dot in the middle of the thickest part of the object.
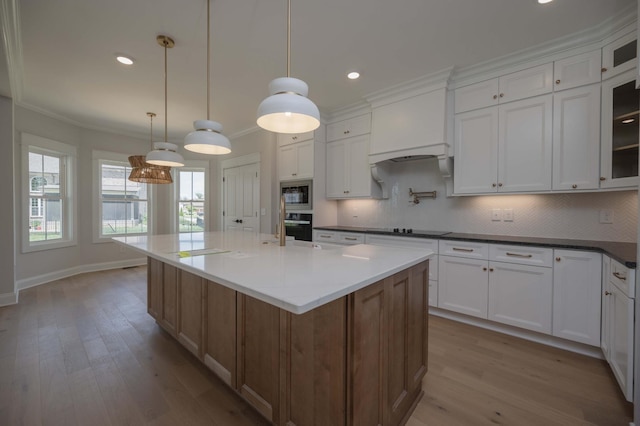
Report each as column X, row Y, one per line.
column 165, row 91
column 208, row 57
column 288, row 38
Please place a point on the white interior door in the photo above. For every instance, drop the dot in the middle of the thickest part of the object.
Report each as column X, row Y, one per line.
column 241, row 188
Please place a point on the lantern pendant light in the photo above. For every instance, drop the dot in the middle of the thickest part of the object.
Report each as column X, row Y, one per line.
column 207, row 138
column 165, row 153
column 144, row 172
column 287, row 109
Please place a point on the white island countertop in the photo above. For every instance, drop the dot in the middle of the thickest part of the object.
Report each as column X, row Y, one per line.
column 297, row 277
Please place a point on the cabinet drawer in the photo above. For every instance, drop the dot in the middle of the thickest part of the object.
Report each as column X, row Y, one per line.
column 350, row 238
column 325, row 236
column 387, row 240
column 464, row 249
column 623, row 278
column 523, row 255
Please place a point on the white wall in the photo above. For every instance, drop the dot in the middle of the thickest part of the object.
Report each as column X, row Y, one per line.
column 262, row 142
column 574, row 216
column 6, row 207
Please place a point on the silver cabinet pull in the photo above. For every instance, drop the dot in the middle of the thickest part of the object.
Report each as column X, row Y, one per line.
column 325, row 236
column 462, row 249
column 350, row 238
column 619, row 276
column 526, row 256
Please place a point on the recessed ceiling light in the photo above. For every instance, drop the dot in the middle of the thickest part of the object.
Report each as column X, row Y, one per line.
column 544, row 1
column 353, row 75
column 124, row 60
column 628, row 120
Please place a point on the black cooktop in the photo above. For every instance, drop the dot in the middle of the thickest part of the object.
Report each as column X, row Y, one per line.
column 414, row 231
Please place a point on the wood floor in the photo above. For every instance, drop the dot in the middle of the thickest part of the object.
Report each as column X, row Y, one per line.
column 83, row 351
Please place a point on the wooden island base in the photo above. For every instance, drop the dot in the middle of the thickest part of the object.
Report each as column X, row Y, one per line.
column 358, row 360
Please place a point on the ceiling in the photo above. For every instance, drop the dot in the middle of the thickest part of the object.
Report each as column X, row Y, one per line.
column 68, row 51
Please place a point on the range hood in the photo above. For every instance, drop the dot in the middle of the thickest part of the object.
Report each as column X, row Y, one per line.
column 410, row 124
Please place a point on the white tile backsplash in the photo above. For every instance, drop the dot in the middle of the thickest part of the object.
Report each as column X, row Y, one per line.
column 574, row 216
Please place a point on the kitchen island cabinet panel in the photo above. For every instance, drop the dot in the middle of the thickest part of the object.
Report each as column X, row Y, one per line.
column 315, row 390
column 154, row 288
column 258, row 350
column 169, row 315
column 190, row 315
column 220, row 346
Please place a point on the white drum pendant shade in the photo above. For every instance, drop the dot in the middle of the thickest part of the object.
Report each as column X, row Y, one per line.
column 165, row 154
column 288, row 110
column 207, row 138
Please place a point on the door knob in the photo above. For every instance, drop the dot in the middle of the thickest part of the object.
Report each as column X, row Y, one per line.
column 238, row 221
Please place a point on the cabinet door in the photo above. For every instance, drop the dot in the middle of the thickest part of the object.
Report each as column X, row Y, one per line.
column 463, row 285
column 190, row 312
column 258, row 361
column 606, row 329
column 220, row 342
column 169, row 316
column 336, row 169
column 304, row 160
column 154, row 288
column 619, row 56
column 520, row 295
column 476, row 151
column 524, row 149
column 358, row 169
column 287, row 162
column 348, row 128
column 576, row 138
column 577, row 293
column 289, row 138
column 526, row 83
column 619, row 142
column 475, row 96
column 578, row 70
column 621, row 359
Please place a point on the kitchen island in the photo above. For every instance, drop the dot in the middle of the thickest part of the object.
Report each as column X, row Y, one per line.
column 307, row 334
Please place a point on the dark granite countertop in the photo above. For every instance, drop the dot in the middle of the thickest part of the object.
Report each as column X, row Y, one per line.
column 622, row 252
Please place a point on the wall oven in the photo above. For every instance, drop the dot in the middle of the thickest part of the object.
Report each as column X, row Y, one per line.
column 297, row 194
column 299, row 226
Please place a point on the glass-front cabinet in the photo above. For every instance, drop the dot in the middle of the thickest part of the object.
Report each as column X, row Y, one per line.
column 619, row 143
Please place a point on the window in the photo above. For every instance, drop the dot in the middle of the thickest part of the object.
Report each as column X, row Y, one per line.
column 47, row 169
column 191, row 199
column 123, row 204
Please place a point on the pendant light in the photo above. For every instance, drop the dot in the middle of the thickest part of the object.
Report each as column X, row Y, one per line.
column 287, row 109
column 165, row 153
column 144, row 172
column 207, row 137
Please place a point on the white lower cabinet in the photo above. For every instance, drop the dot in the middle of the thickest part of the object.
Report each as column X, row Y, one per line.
column 577, row 296
column 520, row 295
column 463, row 285
column 618, row 326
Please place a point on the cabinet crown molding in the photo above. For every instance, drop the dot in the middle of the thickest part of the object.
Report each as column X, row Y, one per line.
column 407, row 89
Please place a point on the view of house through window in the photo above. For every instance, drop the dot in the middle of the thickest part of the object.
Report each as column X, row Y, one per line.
column 191, row 200
column 123, row 203
column 46, row 197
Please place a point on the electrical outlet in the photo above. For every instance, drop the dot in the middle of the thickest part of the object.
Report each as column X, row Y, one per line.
column 496, row 215
column 606, row 216
column 507, row 215
column 263, row 211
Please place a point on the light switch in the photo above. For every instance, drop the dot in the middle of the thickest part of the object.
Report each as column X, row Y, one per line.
column 507, row 215
column 606, row 216
column 263, row 211
column 496, row 215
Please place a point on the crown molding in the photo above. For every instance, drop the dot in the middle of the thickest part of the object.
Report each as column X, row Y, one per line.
column 348, row 111
column 418, row 86
column 575, row 43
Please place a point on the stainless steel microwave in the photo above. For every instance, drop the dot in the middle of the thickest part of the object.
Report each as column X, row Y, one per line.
column 298, row 194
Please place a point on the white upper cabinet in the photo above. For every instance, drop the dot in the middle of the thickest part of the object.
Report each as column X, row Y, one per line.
column 348, row 171
column 576, row 148
column 518, row 85
column 295, row 161
column 289, row 138
column 619, row 137
column 578, row 70
column 524, row 145
column 348, row 128
column 619, row 56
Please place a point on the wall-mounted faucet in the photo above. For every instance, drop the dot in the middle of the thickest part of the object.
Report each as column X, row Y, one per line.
column 417, row 195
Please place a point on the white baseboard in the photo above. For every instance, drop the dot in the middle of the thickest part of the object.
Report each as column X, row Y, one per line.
column 8, row 299
column 592, row 351
column 80, row 269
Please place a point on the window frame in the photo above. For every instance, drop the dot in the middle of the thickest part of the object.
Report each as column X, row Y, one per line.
column 68, row 191
column 191, row 166
column 105, row 157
